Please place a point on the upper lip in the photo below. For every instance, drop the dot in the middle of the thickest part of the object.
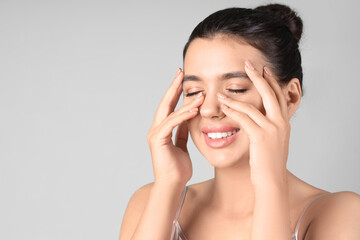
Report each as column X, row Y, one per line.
column 218, row 128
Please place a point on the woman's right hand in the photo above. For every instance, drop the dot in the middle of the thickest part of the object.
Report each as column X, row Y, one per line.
column 171, row 162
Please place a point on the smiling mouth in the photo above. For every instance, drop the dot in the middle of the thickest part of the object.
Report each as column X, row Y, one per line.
column 219, row 135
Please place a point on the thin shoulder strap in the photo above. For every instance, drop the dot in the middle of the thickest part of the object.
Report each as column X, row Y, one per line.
column 302, row 215
column 181, row 203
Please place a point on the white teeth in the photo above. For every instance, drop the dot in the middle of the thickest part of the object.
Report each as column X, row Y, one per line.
column 218, row 135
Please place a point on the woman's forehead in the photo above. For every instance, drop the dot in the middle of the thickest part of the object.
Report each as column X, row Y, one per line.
column 220, row 54
column 210, row 58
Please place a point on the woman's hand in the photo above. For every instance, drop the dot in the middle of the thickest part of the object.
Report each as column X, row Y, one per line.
column 269, row 144
column 268, row 134
column 171, row 162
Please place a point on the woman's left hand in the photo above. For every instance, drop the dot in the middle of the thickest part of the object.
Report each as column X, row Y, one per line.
column 268, row 134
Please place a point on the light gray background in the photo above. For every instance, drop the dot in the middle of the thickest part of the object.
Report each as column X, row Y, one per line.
column 80, row 82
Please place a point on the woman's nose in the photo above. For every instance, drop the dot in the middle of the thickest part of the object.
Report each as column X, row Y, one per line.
column 211, row 107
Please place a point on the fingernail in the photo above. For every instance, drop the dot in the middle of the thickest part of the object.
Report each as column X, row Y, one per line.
column 267, row 71
column 221, row 96
column 223, row 106
column 194, row 110
column 198, row 95
column 249, row 65
column 178, row 71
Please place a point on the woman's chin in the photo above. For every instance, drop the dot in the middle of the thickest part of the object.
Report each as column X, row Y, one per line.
column 222, row 160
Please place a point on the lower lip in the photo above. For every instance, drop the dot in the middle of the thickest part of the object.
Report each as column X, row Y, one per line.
column 221, row 142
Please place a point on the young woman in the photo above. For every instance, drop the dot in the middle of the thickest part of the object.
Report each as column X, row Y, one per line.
column 241, row 83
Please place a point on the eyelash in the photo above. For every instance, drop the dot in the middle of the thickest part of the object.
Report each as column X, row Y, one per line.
column 230, row 90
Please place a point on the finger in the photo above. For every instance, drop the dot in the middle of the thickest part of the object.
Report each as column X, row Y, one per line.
column 170, row 99
column 196, row 102
column 182, row 135
column 249, row 109
column 268, row 96
column 277, row 89
column 189, row 107
column 246, row 124
column 170, row 123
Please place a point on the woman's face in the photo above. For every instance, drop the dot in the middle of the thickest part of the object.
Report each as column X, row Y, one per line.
column 214, row 66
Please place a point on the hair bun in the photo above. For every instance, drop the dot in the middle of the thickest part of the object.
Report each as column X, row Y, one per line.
column 287, row 15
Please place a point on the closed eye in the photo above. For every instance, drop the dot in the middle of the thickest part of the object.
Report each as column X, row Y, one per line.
column 192, row 94
column 230, row 90
column 237, row 90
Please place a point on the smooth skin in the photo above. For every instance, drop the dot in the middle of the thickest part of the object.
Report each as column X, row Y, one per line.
column 253, row 195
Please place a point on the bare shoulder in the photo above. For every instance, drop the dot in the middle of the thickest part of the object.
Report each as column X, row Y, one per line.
column 338, row 217
column 134, row 210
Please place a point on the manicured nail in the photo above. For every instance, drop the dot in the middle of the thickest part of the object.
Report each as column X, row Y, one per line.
column 193, row 110
column 267, row 71
column 221, row 96
column 198, row 95
column 249, row 65
column 223, row 106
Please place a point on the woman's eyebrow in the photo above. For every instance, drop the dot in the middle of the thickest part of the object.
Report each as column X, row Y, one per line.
column 191, row 78
column 223, row 76
column 238, row 74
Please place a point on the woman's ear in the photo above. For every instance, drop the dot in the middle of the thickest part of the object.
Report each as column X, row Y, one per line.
column 292, row 92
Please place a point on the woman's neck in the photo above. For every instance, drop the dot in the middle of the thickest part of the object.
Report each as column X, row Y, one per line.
column 232, row 190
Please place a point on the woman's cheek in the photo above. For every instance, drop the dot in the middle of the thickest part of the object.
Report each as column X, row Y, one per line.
column 192, row 129
column 192, row 123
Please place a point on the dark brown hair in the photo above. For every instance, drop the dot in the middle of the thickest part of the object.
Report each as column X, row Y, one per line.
column 273, row 29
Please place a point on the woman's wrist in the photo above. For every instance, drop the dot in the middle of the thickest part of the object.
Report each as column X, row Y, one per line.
column 274, row 190
column 270, row 181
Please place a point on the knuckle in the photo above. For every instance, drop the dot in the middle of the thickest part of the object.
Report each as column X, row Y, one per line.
column 152, row 134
